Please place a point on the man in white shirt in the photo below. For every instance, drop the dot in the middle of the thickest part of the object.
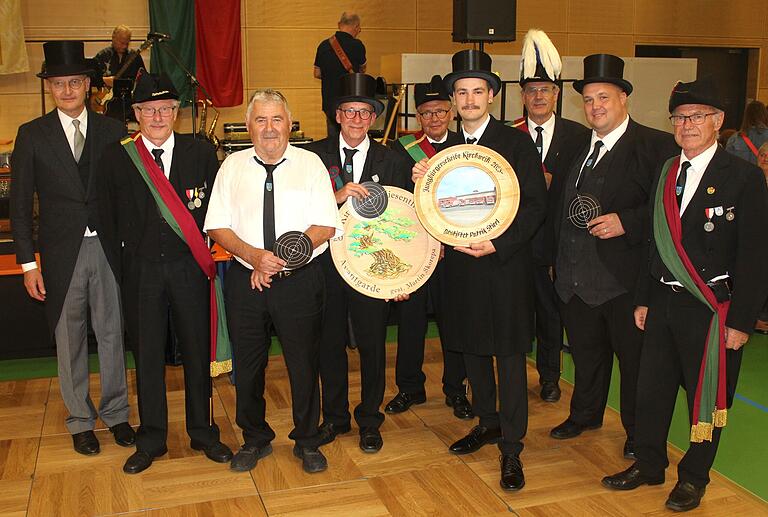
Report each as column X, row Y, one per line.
column 259, row 195
column 56, row 157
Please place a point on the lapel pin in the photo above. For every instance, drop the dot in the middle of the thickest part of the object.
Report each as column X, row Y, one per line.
column 710, row 190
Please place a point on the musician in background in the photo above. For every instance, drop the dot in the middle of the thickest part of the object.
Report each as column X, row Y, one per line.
column 111, row 60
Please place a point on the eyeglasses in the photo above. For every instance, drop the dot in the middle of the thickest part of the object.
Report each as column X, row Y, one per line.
column 696, row 119
column 531, row 91
column 351, row 113
column 165, row 111
column 439, row 114
column 60, row 84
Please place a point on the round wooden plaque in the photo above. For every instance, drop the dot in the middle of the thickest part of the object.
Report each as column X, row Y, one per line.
column 469, row 194
column 386, row 256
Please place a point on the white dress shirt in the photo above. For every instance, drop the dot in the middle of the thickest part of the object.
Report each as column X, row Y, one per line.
column 167, row 156
column 478, row 132
column 303, row 197
column 609, row 141
column 358, row 159
column 546, row 135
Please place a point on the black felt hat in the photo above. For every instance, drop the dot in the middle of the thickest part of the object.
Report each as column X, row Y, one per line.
column 359, row 88
column 64, row 58
column 472, row 63
column 153, row 87
column 434, row 90
column 701, row 91
column 603, row 68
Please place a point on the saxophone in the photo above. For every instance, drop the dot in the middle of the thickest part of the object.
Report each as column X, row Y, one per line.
column 210, row 133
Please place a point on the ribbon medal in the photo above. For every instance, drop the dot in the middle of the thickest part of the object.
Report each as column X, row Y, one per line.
column 190, row 192
column 709, row 225
column 729, row 215
column 197, row 201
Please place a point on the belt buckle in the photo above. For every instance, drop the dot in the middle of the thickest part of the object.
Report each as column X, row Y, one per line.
column 284, row 274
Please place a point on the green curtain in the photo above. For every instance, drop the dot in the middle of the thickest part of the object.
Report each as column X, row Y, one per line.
column 176, row 18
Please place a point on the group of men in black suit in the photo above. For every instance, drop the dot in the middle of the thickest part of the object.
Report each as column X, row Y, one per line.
column 598, row 240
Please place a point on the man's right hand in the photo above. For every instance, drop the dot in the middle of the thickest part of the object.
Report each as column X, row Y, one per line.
column 641, row 312
column 33, row 281
column 351, row 189
column 419, row 169
column 264, row 261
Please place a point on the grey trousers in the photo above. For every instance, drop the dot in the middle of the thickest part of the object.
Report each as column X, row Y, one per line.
column 93, row 284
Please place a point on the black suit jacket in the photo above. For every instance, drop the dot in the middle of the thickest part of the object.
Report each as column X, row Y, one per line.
column 127, row 196
column 737, row 248
column 633, row 164
column 42, row 162
column 387, row 166
column 489, row 301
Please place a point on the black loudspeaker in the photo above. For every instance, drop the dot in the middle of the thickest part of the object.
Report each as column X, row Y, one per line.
column 484, row 20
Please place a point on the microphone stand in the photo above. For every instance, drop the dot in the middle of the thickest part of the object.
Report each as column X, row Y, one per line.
column 193, row 82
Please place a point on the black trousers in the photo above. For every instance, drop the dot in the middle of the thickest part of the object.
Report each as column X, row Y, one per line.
column 411, row 333
column 595, row 334
column 180, row 285
column 675, row 332
column 512, row 416
column 369, row 324
column 549, row 329
column 294, row 305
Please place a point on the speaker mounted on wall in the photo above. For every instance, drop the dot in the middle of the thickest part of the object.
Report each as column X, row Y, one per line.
column 484, row 20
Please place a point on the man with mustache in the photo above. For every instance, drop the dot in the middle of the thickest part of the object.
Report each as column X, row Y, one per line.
column 433, row 112
column 599, row 257
column 487, row 291
column 539, row 72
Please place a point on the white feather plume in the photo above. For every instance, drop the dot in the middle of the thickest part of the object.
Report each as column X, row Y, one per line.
column 549, row 57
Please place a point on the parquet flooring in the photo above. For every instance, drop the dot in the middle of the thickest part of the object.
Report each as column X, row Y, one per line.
column 40, row 474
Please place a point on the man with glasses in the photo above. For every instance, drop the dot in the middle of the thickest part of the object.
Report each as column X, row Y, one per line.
column 352, row 158
column 433, row 112
column 56, row 157
column 539, row 72
column 160, row 275
column 599, row 213
column 708, row 280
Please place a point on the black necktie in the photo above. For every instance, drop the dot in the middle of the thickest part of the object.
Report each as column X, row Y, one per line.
column 590, row 163
column 540, row 140
column 680, row 185
column 471, row 140
column 349, row 166
column 269, row 204
column 157, row 153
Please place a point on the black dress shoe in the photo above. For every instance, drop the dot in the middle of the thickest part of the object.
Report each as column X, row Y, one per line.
column 328, row 432
column 570, row 429
column 685, row 496
column 476, row 438
column 124, row 434
column 370, row 439
column 312, row 460
column 461, row 406
column 550, row 391
column 403, row 401
column 86, row 443
column 248, row 456
column 631, row 479
column 512, row 477
column 629, row 449
column 215, row 451
column 140, row 461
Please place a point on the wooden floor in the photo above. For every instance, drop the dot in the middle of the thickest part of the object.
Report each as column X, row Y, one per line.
column 40, row 474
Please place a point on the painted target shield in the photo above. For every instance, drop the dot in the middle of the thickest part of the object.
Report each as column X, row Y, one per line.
column 295, row 248
column 388, row 255
column 469, row 194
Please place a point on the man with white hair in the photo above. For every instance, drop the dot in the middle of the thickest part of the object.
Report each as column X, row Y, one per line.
column 260, row 194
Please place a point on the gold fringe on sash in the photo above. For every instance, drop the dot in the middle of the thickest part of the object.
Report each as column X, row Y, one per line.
column 219, row 367
column 720, row 417
column 703, row 430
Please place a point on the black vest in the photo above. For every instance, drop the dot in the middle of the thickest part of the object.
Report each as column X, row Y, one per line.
column 159, row 243
column 84, row 170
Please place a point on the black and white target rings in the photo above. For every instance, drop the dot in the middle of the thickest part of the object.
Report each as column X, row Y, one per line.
column 295, row 248
column 582, row 210
column 374, row 204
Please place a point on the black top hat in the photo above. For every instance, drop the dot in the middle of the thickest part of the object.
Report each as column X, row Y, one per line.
column 434, row 90
column 603, row 68
column 472, row 63
column 64, row 58
column 153, row 87
column 359, row 88
column 700, row 91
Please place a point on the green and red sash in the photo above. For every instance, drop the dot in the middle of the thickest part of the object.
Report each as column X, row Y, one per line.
column 180, row 220
column 417, row 146
column 709, row 406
